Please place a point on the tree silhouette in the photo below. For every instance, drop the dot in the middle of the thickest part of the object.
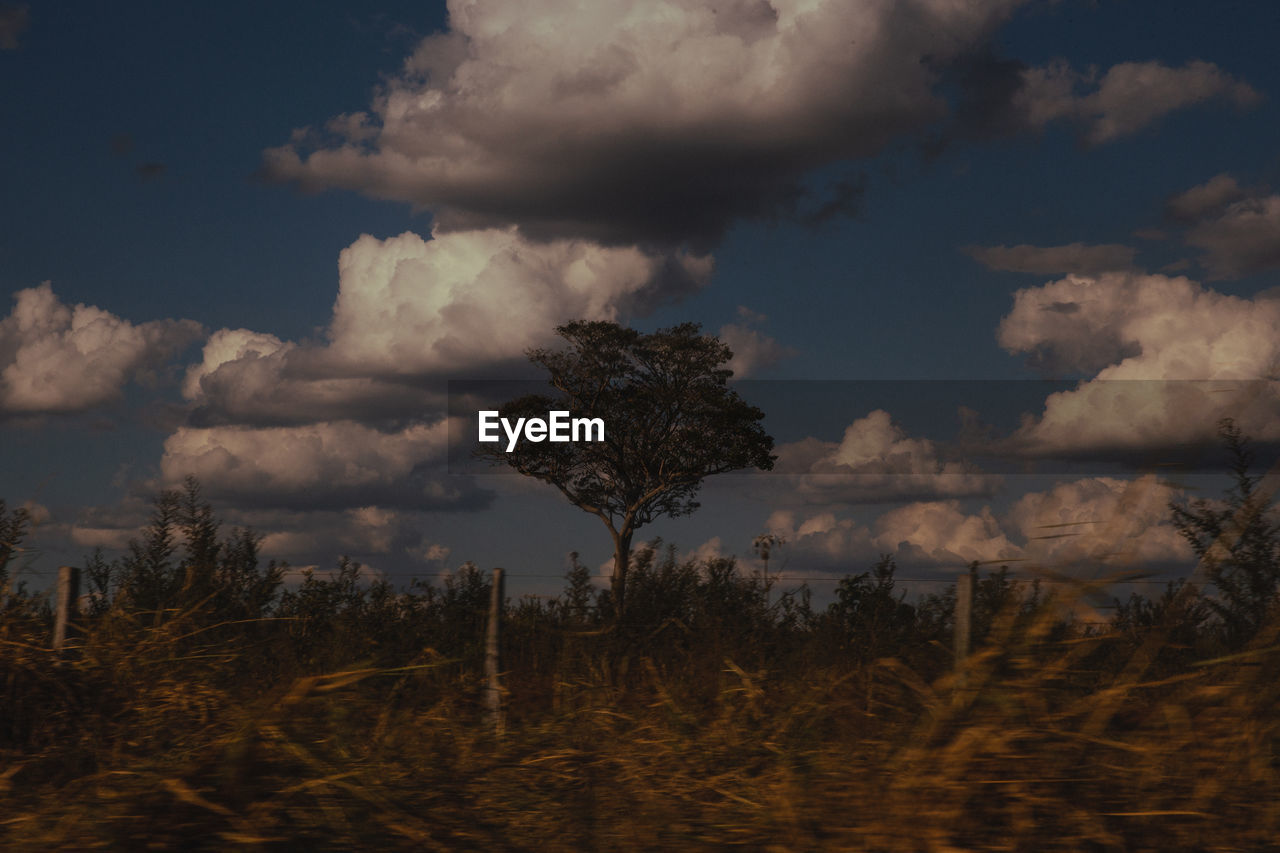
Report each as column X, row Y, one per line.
column 1238, row 542
column 670, row 421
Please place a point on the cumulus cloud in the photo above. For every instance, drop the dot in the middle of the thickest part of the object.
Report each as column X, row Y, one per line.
column 753, row 350
column 877, row 462
column 1100, row 521
column 1142, row 327
column 1083, row 527
column 108, row 526
column 940, row 532
column 927, row 534
column 411, row 310
column 1143, row 337
column 356, row 418
column 401, row 540
column 1124, row 100
column 57, row 358
column 247, row 377
column 822, row 542
column 412, row 306
column 355, row 532
column 337, row 464
column 1055, row 260
column 397, row 538
column 655, row 122
column 712, row 549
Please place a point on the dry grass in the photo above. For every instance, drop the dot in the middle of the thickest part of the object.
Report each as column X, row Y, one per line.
column 150, row 738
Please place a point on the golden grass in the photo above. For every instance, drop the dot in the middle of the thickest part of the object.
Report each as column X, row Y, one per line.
column 143, row 738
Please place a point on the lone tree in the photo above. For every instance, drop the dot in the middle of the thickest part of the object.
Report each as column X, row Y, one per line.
column 670, row 421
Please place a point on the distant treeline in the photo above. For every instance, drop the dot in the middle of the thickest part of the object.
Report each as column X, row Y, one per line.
column 201, row 704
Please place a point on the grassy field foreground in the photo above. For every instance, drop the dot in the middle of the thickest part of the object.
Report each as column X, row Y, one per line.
column 718, row 713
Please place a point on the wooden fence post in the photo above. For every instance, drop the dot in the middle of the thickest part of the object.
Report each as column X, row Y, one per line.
column 964, row 622
column 67, row 596
column 493, row 658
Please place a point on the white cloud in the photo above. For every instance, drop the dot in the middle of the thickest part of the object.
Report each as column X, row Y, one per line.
column 1101, row 521
column 1127, row 98
column 821, row 543
column 331, row 464
column 1142, row 335
column 939, row 532
column 877, row 462
column 621, row 121
column 927, row 534
column 229, row 346
column 107, row 538
column 57, row 358
column 324, row 423
column 401, row 539
column 411, row 306
column 435, row 553
column 712, row 549
column 359, row 531
column 397, row 538
column 1132, row 326
column 248, row 377
column 411, row 310
column 109, row 527
column 1080, row 527
column 753, row 350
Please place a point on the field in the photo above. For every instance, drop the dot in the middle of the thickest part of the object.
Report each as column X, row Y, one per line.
column 719, row 712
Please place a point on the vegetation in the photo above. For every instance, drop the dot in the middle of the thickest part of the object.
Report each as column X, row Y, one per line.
column 206, row 706
column 670, row 420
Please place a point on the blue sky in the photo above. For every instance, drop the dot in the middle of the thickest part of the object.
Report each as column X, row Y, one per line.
column 983, row 190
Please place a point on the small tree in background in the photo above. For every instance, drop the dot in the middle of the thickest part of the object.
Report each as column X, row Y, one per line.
column 1238, row 542
column 180, row 561
column 670, row 420
column 13, row 529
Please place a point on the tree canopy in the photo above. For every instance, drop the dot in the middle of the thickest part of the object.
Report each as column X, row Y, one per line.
column 671, row 420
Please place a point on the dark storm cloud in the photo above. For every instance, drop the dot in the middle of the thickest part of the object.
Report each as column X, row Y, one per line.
column 624, row 126
column 1237, row 227
column 634, row 124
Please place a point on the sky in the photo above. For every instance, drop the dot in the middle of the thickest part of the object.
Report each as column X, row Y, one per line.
column 994, row 269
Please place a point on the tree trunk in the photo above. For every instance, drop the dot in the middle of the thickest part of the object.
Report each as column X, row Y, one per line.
column 621, row 562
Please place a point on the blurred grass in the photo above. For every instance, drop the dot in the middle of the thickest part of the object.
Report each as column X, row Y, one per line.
column 686, row 733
